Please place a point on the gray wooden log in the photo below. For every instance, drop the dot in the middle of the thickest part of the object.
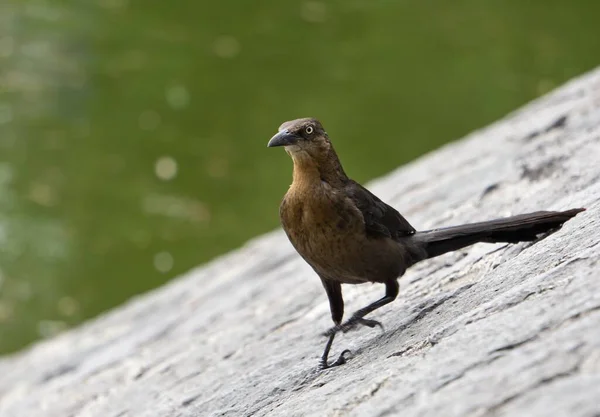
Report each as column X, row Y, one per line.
column 493, row 330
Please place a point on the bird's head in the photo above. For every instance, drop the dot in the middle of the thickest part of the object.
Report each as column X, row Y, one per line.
column 307, row 143
column 302, row 136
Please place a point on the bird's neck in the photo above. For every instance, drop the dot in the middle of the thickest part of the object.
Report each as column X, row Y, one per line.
column 310, row 170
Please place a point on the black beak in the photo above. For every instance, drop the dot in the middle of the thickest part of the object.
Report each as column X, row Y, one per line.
column 283, row 138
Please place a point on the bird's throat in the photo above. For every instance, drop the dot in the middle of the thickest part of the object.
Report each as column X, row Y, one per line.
column 309, row 169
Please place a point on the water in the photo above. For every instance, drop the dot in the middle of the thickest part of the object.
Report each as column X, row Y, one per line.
column 133, row 133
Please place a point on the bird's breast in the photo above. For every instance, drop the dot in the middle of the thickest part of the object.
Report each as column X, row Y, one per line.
column 320, row 214
column 324, row 227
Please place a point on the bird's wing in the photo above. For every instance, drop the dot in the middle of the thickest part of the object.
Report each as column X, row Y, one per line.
column 380, row 218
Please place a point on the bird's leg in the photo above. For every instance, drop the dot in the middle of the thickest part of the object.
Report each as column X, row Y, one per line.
column 336, row 304
column 391, row 292
column 339, row 361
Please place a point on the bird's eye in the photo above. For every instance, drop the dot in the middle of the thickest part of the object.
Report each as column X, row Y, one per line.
column 309, row 130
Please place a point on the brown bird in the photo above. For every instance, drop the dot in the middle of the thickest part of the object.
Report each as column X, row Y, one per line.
column 349, row 236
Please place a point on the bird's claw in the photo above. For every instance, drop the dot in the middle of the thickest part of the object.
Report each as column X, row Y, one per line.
column 351, row 324
column 339, row 361
column 333, row 330
column 369, row 323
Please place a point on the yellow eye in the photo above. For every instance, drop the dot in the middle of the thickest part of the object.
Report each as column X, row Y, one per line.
column 309, row 130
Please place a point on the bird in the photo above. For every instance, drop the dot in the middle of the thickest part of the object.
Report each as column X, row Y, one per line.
column 349, row 236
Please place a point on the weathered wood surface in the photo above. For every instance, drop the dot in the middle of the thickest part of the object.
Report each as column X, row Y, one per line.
column 493, row 330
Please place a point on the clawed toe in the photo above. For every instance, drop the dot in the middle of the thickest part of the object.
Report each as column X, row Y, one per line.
column 355, row 321
column 339, row 361
column 369, row 323
column 333, row 330
column 351, row 324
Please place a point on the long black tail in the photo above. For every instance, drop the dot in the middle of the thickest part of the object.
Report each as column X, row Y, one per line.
column 521, row 228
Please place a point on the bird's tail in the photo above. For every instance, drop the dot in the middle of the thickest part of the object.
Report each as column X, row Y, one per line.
column 521, row 228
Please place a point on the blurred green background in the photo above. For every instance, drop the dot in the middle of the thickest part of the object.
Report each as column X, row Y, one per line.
column 133, row 133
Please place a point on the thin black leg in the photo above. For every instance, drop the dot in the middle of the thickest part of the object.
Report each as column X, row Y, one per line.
column 339, row 361
column 391, row 292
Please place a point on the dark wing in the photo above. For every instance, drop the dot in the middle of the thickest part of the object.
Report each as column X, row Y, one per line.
column 380, row 218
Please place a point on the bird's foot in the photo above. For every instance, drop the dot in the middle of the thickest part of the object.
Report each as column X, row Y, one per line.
column 351, row 324
column 339, row 361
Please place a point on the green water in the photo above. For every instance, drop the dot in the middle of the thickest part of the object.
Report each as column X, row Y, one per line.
column 133, row 133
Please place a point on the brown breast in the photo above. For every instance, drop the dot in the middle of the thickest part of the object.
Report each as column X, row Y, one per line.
column 323, row 225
